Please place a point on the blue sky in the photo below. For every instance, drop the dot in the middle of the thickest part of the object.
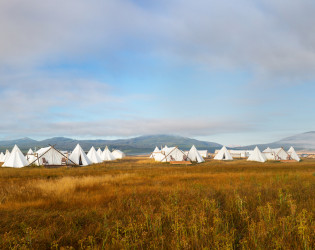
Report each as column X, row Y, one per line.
column 232, row 72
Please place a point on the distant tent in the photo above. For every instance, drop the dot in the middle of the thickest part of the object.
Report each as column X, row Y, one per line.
column 293, row 155
column 194, row 155
column 99, row 152
column 156, row 150
column 256, row 155
column 49, row 156
column 203, row 153
column 223, row 154
column 276, row 154
column 30, row 152
column 107, row 155
column 7, row 155
column 118, row 154
column 1, row 157
column 174, row 154
column 16, row 159
column 93, row 156
column 79, row 157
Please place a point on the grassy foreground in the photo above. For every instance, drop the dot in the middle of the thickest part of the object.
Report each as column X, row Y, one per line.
column 136, row 203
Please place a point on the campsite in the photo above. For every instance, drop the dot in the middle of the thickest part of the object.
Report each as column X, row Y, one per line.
column 136, row 202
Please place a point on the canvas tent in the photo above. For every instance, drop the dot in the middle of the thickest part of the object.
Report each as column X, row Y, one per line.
column 7, row 155
column 156, row 150
column 16, row 159
column 293, row 155
column 93, row 156
column 79, row 157
column 1, row 157
column 107, row 155
column 174, row 154
column 194, row 155
column 49, row 156
column 203, row 153
column 30, row 152
column 118, row 154
column 223, row 154
column 256, row 155
column 276, row 154
column 240, row 153
column 99, row 152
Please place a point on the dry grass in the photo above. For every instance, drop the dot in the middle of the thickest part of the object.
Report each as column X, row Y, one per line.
column 137, row 203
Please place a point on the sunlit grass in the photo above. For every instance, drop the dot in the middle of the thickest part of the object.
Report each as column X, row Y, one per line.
column 137, row 203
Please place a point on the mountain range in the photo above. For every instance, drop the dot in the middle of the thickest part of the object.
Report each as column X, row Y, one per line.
column 145, row 144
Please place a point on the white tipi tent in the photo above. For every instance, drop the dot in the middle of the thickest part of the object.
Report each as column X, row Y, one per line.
column 93, row 156
column 79, row 157
column 1, row 157
column 118, row 154
column 256, row 155
column 223, row 154
column 7, row 155
column 99, row 152
column 30, row 152
column 107, row 155
column 16, row 159
column 293, row 154
column 156, row 150
column 194, row 155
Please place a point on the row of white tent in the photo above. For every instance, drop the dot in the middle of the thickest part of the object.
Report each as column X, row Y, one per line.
column 278, row 154
column 53, row 157
column 169, row 154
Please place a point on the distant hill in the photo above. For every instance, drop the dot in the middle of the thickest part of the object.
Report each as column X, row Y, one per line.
column 142, row 144
column 304, row 141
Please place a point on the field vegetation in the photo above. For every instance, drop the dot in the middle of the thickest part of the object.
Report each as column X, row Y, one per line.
column 139, row 204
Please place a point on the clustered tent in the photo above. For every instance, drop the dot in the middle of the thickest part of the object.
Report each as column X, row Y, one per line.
column 93, row 156
column 240, row 153
column 107, row 155
column 156, row 150
column 7, row 155
column 293, row 155
column 223, row 154
column 99, row 152
column 118, row 154
column 174, row 154
column 194, row 155
column 79, row 157
column 1, row 157
column 16, row 159
column 276, row 154
column 49, row 156
column 256, row 155
column 203, row 153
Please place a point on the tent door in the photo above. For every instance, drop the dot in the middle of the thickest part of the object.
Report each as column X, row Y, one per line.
column 80, row 160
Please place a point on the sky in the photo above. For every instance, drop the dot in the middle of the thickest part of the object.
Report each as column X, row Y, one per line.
column 232, row 72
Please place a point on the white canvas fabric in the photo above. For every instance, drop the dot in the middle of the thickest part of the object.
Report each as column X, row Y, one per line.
column 256, row 155
column 99, row 152
column 293, row 154
column 30, row 152
column 6, row 155
column 118, row 154
column 174, row 154
column 107, row 155
column 203, row 153
column 156, row 150
column 224, row 155
column 93, row 156
column 79, row 157
column 49, row 156
column 1, row 157
column 276, row 154
column 194, row 155
column 16, row 159
column 240, row 153
column 158, row 156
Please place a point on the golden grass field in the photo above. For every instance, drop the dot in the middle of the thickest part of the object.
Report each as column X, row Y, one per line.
column 136, row 203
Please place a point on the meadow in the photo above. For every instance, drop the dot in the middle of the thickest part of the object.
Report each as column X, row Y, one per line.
column 136, row 203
